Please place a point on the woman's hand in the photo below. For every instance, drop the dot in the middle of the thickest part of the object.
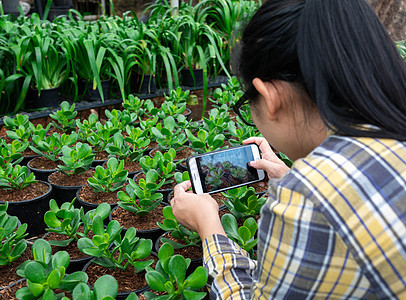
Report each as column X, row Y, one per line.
column 197, row 212
column 270, row 163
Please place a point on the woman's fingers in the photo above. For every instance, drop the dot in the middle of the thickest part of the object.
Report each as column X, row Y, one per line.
column 273, row 170
column 261, row 142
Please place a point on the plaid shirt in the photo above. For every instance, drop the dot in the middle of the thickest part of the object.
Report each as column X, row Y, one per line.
column 334, row 227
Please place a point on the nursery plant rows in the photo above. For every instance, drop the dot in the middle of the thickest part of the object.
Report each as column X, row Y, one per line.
column 102, row 208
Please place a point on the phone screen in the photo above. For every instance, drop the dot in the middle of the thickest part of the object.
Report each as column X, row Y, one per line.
column 224, row 169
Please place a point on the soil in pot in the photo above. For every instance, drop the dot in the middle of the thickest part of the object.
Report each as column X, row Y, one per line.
column 65, row 187
column 132, row 167
column 42, row 167
column 146, row 226
column 10, row 292
column 87, row 194
column 58, row 178
column 100, row 158
column 128, row 280
column 29, row 192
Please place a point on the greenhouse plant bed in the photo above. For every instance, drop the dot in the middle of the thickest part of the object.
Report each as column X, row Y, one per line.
column 84, row 105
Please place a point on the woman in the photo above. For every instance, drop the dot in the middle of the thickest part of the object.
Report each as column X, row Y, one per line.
column 327, row 87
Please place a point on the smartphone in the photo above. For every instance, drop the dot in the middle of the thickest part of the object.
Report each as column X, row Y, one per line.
column 225, row 169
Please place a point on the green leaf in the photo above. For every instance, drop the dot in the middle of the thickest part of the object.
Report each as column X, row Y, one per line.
column 156, row 281
column 230, row 226
column 98, row 227
column 103, row 210
column 177, row 268
column 60, row 259
column 35, row 272
column 251, row 224
column 82, row 292
column 192, row 295
column 70, row 281
column 143, row 250
column 165, row 251
column 42, row 251
column 54, row 279
column 105, row 286
column 244, row 233
column 51, row 220
column 25, row 294
column 141, row 265
column 36, row 288
column 202, row 135
column 197, row 279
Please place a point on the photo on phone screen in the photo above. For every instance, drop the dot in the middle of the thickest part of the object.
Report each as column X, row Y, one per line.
column 221, row 170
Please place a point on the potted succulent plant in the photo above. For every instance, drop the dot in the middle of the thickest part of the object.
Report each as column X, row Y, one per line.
column 165, row 166
column 67, row 224
column 205, row 141
column 46, row 274
column 105, row 287
column 244, row 235
column 103, row 185
column 185, row 242
column 74, row 172
column 129, row 149
column 243, row 202
column 23, row 130
column 140, row 206
column 12, row 246
column 49, row 151
column 64, row 118
column 27, row 197
column 170, row 277
column 122, row 257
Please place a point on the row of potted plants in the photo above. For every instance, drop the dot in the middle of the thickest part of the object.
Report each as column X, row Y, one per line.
column 79, row 55
column 45, row 273
column 127, row 134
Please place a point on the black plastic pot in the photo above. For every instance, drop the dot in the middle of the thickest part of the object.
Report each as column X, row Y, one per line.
column 26, row 159
column 87, row 205
column 94, row 95
column 121, row 295
column 11, row 7
column 48, row 98
column 40, row 174
column 32, row 211
column 188, row 80
column 144, row 85
column 64, row 193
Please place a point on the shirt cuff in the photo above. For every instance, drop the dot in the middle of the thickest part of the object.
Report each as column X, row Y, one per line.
column 217, row 244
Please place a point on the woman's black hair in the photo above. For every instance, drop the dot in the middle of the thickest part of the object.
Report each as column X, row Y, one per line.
column 342, row 55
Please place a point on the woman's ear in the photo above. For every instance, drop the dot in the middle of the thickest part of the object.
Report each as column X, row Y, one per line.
column 271, row 96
